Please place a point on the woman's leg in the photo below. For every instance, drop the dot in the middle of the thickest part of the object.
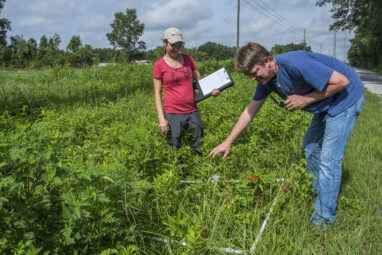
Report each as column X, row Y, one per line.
column 196, row 126
column 176, row 123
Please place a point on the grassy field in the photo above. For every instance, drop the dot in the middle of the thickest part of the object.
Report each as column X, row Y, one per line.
column 357, row 229
column 84, row 170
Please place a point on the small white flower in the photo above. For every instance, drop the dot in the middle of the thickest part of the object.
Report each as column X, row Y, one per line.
column 214, row 178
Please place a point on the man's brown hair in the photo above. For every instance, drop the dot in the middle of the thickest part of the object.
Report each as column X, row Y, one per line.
column 250, row 55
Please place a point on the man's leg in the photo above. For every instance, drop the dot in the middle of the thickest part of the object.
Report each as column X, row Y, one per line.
column 312, row 145
column 338, row 130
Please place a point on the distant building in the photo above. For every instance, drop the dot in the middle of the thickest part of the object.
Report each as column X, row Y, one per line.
column 105, row 64
column 141, row 62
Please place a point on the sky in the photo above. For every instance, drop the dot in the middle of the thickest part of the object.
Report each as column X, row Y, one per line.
column 262, row 21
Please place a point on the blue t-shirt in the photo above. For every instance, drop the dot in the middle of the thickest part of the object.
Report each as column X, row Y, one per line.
column 301, row 72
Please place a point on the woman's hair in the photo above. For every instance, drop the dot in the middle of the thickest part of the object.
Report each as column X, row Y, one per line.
column 250, row 55
column 165, row 41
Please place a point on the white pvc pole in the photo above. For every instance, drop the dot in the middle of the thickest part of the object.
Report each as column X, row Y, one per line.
column 215, row 178
column 164, row 240
column 252, row 250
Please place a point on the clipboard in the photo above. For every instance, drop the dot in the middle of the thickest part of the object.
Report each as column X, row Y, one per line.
column 220, row 80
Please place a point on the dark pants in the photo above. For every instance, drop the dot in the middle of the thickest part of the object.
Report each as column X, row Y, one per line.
column 179, row 122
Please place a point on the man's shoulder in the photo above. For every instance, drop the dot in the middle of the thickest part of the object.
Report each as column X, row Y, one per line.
column 290, row 60
column 292, row 55
column 296, row 59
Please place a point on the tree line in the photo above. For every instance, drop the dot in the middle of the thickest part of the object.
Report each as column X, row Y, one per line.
column 22, row 53
column 124, row 37
column 364, row 17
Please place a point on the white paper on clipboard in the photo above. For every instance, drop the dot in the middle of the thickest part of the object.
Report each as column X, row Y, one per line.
column 214, row 81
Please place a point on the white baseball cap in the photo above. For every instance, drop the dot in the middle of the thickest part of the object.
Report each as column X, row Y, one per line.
column 173, row 35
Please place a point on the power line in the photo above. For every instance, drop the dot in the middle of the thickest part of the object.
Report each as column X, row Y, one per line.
column 271, row 16
column 238, row 25
column 282, row 19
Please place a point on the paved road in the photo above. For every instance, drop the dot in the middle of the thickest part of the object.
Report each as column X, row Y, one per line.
column 371, row 80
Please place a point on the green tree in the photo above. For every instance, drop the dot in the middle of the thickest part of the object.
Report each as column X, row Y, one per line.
column 126, row 30
column 105, row 55
column 5, row 55
column 88, row 47
column 196, row 54
column 217, row 51
column 83, row 57
column 18, row 48
column 5, row 26
column 43, row 44
column 279, row 49
column 347, row 15
column 31, row 49
column 78, row 55
column 365, row 17
column 54, row 55
column 54, row 42
column 42, row 52
column 75, row 44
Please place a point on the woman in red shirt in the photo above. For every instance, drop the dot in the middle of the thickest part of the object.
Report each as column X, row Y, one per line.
column 175, row 72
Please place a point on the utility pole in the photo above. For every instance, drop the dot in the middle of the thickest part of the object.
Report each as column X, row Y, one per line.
column 345, row 47
column 334, row 45
column 304, row 40
column 238, row 25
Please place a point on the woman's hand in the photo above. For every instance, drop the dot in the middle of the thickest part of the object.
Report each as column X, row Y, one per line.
column 216, row 92
column 163, row 124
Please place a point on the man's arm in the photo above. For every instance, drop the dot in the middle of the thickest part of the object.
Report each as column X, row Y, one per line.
column 246, row 117
column 336, row 83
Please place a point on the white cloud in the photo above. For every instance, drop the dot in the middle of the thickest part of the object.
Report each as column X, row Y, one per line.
column 97, row 24
column 41, row 8
column 183, row 14
column 32, row 21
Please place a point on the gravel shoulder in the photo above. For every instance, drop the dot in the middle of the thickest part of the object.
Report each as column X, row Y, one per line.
column 371, row 80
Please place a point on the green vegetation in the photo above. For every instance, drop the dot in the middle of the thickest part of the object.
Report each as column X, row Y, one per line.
column 84, row 169
column 365, row 19
column 125, row 33
column 280, row 49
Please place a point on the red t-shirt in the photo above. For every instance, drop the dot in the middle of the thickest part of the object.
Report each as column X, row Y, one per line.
column 177, row 84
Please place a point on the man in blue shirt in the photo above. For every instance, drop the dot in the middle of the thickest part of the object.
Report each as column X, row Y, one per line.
column 312, row 82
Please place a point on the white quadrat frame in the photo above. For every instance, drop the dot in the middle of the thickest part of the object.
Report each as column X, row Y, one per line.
column 215, row 178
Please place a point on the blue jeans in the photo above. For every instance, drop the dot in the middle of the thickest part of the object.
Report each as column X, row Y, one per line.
column 324, row 146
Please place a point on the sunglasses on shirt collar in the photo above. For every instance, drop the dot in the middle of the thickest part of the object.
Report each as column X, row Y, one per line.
column 279, row 103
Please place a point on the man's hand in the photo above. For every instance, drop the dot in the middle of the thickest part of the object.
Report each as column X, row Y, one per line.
column 223, row 147
column 336, row 83
column 296, row 102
